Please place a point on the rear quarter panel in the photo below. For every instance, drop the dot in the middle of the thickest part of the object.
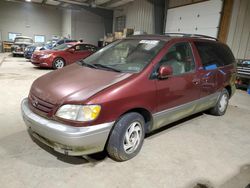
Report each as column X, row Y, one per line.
column 227, row 76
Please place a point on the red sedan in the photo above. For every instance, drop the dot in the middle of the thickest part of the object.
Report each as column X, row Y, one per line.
column 62, row 55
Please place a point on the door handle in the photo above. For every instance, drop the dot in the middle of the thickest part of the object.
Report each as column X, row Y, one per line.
column 196, row 81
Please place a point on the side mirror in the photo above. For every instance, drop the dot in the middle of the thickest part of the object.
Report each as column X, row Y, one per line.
column 165, row 71
column 71, row 50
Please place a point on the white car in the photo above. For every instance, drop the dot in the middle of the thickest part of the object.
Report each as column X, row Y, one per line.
column 20, row 43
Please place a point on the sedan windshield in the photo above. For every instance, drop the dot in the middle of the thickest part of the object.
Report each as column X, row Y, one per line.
column 128, row 55
column 62, row 47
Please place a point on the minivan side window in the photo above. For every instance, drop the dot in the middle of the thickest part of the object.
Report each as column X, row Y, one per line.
column 214, row 54
column 180, row 58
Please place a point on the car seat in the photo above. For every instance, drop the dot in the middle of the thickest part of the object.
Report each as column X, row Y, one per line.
column 174, row 60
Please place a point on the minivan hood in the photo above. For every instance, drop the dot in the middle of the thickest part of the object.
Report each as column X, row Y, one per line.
column 74, row 83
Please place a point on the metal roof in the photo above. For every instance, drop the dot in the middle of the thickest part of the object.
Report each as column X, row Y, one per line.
column 106, row 4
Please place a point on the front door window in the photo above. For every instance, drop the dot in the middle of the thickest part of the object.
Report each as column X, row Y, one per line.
column 180, row 58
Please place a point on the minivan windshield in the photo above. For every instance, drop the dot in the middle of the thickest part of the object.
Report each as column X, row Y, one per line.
column 128, row 55
column 63, row 46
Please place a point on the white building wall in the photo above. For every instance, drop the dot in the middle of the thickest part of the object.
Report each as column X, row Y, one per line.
column 139, row 15
column 239, row 30
column 66, row 23
column 29, row 19
column 87, row 26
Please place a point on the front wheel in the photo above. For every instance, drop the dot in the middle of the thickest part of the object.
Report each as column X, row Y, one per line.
column 221, row 106
column 58, row 63
column 127, row 137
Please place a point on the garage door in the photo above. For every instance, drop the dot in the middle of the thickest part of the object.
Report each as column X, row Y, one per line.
column 200, row 18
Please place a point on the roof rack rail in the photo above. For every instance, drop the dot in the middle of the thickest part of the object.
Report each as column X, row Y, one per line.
column 191, row 35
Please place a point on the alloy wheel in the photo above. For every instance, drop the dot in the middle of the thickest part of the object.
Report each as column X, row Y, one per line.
column 59, row 63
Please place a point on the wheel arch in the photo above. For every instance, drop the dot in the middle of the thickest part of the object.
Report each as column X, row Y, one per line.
column 229, row 90
column 60, row 57
column 146, row 114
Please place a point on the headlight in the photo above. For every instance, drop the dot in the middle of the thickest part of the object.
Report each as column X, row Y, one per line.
column 46, row 56
column 79, row 112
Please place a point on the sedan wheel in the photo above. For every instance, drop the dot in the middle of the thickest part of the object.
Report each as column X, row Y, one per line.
column 58, row 63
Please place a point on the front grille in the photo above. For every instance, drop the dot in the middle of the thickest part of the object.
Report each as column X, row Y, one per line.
column 40, row 105
column 243, row 70
column 22, row 47
column 31, row 49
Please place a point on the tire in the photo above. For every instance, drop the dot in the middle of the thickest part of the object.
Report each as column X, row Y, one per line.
column 14, row 55
column 221, row 106
column 58, row 63
column 127, row 137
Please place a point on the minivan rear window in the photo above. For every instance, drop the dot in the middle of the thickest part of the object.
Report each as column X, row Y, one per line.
column 214, row 54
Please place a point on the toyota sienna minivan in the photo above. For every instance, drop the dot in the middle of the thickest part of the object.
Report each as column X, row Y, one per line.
column 111, row 99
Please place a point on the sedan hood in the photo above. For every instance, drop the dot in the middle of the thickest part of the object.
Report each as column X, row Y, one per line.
column 74, row 83
column 43, row 52
column 20, row 43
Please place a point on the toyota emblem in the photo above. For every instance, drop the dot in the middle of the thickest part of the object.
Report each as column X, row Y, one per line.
column 35, row 103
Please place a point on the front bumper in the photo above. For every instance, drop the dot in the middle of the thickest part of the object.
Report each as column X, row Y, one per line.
column 46, row 62
column 244, row 76
column 63, row 138
column 27, row 55
column 18, row 52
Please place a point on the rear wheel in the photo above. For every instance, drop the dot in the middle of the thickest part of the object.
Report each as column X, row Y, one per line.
column 58, row 63
column 127, row 137
column 221, row 106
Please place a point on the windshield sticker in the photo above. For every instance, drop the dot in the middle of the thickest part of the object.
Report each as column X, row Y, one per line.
column 149, row 44
column 153, row 42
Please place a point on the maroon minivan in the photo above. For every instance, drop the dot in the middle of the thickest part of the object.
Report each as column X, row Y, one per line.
column 131, row 87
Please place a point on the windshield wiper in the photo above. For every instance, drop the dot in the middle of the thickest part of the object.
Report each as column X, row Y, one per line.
column 106, row 67
column 87, row 64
